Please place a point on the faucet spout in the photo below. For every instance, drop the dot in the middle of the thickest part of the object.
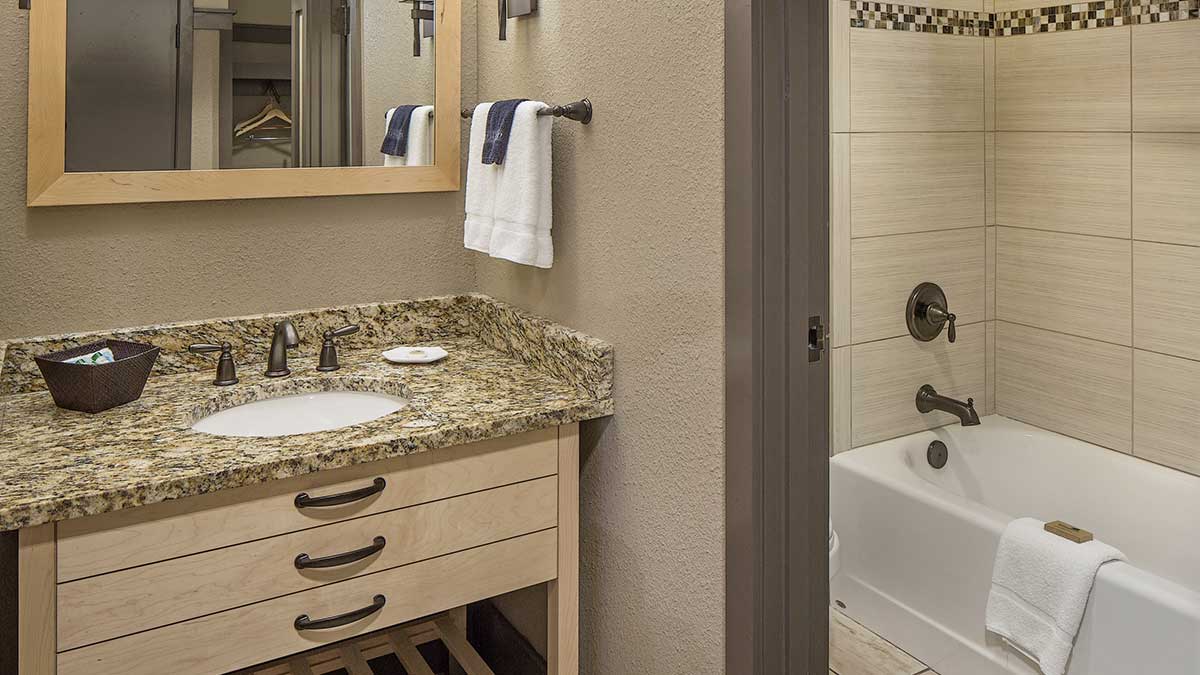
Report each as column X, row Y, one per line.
column 284, row 339
column 929, row 400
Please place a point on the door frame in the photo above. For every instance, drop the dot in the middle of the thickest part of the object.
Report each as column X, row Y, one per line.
column 776, row 400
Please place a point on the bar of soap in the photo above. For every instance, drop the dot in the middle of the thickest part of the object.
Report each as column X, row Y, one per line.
column 95, row 358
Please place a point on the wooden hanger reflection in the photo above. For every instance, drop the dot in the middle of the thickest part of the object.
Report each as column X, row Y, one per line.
column 270, row 112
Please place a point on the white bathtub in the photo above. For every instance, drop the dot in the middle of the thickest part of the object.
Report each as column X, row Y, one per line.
column 917, row 546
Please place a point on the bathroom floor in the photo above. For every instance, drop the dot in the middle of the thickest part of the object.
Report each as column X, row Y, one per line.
column 855, row 650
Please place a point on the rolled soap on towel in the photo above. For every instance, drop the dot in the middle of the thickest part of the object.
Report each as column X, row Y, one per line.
column 94, row 359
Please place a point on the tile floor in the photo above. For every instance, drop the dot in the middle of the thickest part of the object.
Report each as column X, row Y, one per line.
column 855, row 650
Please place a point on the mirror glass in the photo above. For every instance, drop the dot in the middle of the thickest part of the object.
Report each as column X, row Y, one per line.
column 156, row 85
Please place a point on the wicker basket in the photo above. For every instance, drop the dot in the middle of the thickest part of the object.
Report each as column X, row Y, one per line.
column 93, row 388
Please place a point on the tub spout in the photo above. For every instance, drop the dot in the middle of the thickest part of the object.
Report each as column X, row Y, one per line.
column 929, row 400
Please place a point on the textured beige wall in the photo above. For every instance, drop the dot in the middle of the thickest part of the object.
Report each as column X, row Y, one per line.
column 638, row 235
column 392, row 76
column 79, row 268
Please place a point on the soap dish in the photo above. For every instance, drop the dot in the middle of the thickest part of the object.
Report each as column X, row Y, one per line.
column 95, row 388
column 415, row 354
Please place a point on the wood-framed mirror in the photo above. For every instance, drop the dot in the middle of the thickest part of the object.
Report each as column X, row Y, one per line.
column 189, row 100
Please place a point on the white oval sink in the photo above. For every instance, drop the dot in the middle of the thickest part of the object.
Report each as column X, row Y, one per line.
column 300, row 414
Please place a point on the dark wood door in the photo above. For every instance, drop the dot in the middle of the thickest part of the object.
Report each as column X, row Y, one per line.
column 777, row 379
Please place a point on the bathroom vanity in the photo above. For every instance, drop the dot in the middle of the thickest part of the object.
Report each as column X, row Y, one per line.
column 148, row 547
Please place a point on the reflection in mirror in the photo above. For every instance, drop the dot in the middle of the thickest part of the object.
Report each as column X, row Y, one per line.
column 218, row 84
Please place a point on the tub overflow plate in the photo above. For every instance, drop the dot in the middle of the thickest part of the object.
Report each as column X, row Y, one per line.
column 937, row 454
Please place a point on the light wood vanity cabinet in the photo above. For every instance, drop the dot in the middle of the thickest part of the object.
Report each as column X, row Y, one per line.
column 212, row 584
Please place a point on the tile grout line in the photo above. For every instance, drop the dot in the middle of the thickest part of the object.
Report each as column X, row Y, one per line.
column 1026, row 228
column 1132, row 262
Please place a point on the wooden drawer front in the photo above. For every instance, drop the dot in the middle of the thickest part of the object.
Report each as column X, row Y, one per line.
column 243, row 637
column 120, row 603
column 123, row 539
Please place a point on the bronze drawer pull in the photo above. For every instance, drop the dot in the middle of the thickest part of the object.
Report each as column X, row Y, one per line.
column 303, row 562
column 305, row 623
column 303, row 501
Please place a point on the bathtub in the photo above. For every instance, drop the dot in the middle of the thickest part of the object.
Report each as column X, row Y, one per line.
column 917, row 546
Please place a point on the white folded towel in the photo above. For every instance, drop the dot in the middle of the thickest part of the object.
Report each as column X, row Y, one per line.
column 420, row 137
column 524, row 208
column 481, row 186
column 1040, row 588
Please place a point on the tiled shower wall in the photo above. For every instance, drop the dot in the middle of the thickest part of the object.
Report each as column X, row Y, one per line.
column 1098, row 237
column 909, row 122
column 1081, row 171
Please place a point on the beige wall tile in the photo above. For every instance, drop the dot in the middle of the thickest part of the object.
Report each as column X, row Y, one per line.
column 1071, row 385
column 989, row 179
column 901, row 81
column 839, row 239
column 1065, row 282
column 888, row 373
column 1166, row 410
column 1065, row 182
column 1166, row 76
column 989, row 284
column 989, row 401
column 839, row 65
column 841, row 399
column 1012, row 5
column 916, row 182
column 1070, row 81
column 1166, row 192
column 1166, row 298
column 887, row 269
column 989, row 84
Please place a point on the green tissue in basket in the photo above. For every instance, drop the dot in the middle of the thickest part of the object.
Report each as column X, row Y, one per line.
column 95, row 358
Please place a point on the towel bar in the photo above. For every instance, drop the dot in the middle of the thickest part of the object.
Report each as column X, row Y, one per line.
column 579, row 111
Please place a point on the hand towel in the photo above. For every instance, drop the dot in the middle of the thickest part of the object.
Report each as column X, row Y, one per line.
column 524, row 206
column 395, row 141
column 420, row 137
column 499, row 129
column 481, row 187
column 1040, row 588
column 392, row 160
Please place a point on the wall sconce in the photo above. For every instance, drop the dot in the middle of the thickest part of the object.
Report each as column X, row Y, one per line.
column 510, row 9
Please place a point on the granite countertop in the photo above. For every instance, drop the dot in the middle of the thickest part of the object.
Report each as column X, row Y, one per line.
column 58, row 464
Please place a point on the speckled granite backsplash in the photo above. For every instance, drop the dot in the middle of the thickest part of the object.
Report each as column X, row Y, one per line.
column 564, row 353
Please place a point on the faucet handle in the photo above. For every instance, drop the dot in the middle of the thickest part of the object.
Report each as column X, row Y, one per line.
column 226, row 369
column 343, row 331
column 329, row 357
column 938, row 314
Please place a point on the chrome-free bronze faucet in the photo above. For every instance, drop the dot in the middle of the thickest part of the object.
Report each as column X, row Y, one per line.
column 929, row 400
column 285, row 338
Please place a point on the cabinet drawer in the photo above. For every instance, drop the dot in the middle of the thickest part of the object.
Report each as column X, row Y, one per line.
column 137, row 599
column 131, row 537
column 246, row 636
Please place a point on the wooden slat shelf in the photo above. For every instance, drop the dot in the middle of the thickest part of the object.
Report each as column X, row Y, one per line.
column 402, row 641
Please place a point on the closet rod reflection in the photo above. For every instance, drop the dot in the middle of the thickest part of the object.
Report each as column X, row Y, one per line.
column 580, row 111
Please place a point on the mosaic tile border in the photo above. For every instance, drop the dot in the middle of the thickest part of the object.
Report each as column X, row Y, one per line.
column 1048, row 19
column 887, row 16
